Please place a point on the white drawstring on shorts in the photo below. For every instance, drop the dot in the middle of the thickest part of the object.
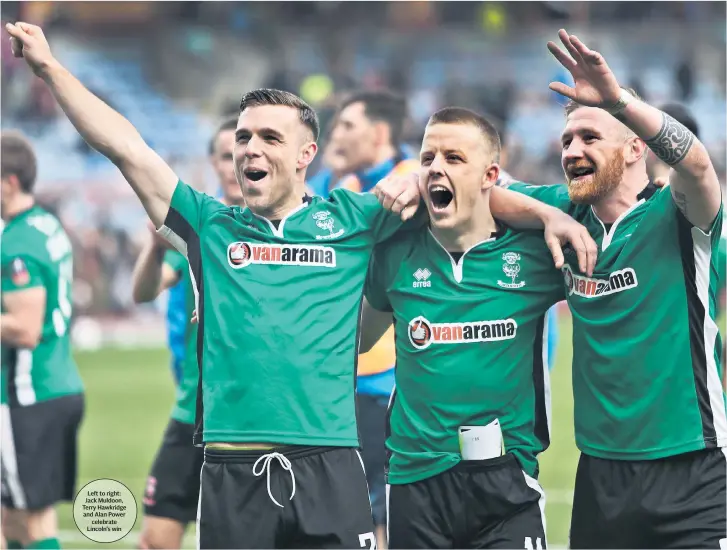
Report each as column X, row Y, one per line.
column 284, row 462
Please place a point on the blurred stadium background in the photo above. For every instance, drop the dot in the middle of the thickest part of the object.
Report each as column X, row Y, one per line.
column 175, row 69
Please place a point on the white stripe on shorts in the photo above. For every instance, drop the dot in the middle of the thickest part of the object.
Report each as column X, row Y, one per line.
column 199, row 509
column 533, row 483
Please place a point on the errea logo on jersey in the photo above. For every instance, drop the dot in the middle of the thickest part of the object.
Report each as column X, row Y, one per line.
column 240, row 254
column 422, row 276
column 423, row 333
column 618, row 281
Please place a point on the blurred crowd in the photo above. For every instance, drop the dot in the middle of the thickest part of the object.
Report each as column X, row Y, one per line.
column 488, row 56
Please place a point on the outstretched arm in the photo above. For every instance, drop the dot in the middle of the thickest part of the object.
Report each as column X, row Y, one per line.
column 694, row 183
column 103, row 128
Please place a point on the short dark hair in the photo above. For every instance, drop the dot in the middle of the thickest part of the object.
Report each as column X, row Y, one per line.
column 268, row 96
column 381, row 106
column 17, row 158
column 574, row 105
column 229, row 124
column 460, row 115
column 682, row 115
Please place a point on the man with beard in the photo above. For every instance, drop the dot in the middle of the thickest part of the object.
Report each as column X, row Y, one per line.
column 650, row 415
column 649, row 406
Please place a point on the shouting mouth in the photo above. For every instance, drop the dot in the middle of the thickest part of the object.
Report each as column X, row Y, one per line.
column 254, row 174
column 440, row 197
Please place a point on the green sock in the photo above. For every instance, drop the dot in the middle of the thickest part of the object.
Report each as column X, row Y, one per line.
column 14, row 545
column 46, row 544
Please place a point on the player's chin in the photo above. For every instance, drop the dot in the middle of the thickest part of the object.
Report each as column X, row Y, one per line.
column 443, row 218
column 581, row 191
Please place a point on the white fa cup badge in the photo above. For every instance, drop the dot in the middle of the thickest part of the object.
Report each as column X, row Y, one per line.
column 511, row 268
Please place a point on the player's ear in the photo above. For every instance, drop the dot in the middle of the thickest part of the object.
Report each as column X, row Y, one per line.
column 491, row 175
column 381, row 132
column 635, row 150
column 307, row 154
column 10, row 183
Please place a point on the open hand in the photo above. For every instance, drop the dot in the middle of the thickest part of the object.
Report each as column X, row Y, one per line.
column 560, row 230
column 595, row 83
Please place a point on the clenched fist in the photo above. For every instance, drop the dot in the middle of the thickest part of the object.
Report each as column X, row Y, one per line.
column 28, row 42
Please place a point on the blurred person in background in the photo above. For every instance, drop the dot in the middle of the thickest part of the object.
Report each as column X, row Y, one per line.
column 42, row 391
column 650, row 416
column 364, row 147
column 172, row 488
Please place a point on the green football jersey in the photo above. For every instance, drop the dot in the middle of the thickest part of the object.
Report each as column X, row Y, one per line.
column 471, row 340
column 721, row 269
column 278, row 314
column 186, row 402
column 37, row 252
column 646, row 349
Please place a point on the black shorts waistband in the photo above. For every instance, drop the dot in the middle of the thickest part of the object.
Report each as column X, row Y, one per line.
column 291, row 452
column 489, row 464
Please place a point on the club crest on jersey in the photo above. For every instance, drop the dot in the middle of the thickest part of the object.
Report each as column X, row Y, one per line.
column 511, row 268
column 423, row 333
column 326, row 222
column 240, row 254
column 586, row 287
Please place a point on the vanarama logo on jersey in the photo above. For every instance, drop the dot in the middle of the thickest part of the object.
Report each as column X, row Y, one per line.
column 423, row 333
column 241, row 254
column 618, row 281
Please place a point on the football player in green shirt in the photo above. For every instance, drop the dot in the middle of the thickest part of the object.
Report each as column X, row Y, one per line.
column 469, row 298
column 649, row 406
column 278, row 289
column 42, row 392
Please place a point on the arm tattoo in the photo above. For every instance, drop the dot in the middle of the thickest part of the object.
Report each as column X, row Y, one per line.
column 673, row 141
column 680, row 199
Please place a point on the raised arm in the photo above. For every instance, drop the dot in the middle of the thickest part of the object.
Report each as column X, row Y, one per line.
column 693, row 179
column 100, row 126
column 694, row 183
